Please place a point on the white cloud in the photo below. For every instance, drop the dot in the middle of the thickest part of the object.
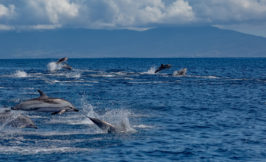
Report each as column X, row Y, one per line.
column 181, row 10
column 55, row 10
column 45, row 26
column 253, row 29
column 6, row 27
column 103, row 13
column 7, row 11
column 139, row 12
column 230, row 11
column 131, row 14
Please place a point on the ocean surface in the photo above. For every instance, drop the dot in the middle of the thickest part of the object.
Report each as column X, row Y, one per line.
column 217, row 112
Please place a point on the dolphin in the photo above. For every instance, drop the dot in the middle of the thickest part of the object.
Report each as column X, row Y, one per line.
column 63, row 63
column 20, row 121
column 181, row 72
column 61, row 60
column 103, row 125
column 45, row 104
column 66, row 66
column 107, row 127
column 162, row 67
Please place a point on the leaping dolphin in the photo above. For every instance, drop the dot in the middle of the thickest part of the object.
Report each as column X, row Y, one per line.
column 103, row 125
column 162, row 67
column 61, row 60
column 181, row 72
column 63, row 63
column 20, row 121
column 45, row 104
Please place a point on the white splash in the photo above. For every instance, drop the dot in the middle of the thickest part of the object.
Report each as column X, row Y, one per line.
column 150, row 71
column 20, row 74
column 119, row 118
column 175, row 73
column 13, row 115
column 53, row 66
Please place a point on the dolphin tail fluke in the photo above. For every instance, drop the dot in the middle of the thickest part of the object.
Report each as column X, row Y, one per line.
column 103, row 125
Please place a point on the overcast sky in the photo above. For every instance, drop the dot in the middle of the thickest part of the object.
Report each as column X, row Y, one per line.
column 247, row 16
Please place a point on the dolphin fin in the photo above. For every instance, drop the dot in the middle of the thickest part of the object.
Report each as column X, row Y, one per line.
column 59, row 112
column 103, row 125
column 42, row 95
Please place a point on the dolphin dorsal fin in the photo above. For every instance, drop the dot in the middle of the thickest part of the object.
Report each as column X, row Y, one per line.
column 42, row 95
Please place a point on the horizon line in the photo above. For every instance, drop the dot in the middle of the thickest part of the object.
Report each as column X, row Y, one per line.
column 241, row 57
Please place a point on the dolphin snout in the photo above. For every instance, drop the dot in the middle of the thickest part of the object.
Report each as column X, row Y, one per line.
column 74, row 109
column 33, row 126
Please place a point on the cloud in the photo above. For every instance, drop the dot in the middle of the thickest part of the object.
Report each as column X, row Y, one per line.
column 102, row 13
column 56, row 11
column 129, row 12
column 6, row 11
column 229, row 11
column 49, row 14
column 5, row 27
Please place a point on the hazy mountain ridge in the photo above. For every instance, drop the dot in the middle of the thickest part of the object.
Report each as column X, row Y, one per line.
column 159, row 42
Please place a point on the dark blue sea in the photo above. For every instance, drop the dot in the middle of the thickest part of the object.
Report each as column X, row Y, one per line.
column 217, row 112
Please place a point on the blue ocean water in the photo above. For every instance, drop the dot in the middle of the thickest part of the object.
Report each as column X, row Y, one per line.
column 214, row 113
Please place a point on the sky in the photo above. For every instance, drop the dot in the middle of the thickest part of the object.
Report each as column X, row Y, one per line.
column 248, row 16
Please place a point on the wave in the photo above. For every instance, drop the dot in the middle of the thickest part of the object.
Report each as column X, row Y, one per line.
column 73, row 75
column 210, row 77
column 142, row 126
column 149, row 82
column 206, row 77
column 102, row 75
column 29, row 150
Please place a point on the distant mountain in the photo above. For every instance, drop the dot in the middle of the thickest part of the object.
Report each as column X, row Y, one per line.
column 159, row 42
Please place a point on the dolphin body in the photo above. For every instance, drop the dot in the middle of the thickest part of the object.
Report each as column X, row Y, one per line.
column 162, row 67
column 103, row 125
column 63, row 63
column 45, row 104
column 181, row 72
column 61, row 60
column 20, row 121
